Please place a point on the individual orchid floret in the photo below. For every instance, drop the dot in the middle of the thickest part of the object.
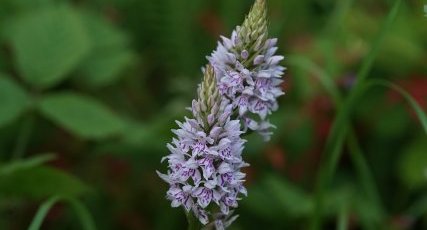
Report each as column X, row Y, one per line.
column 248, row 71
column 205, row 157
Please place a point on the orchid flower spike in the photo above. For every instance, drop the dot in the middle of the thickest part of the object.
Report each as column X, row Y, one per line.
column 205, row 157
column 249, row 71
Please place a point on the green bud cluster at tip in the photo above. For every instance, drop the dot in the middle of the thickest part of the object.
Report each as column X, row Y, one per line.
column 255, row 24
column 254, row 31
column 209, row 95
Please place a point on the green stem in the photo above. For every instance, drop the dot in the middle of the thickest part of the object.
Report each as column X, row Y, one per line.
column 23, row 137
column 343, row 218
column 362, row 167
column 365, row 176
column 193, row 222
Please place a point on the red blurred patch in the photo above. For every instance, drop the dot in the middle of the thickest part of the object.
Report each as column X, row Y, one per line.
column 416, row 86
column 321, row 110
column 132, row 220
column 250, row 174
column 402, row 222
column 303, row 43
column 112, row 13
column 117, row 169
column 211, row 23
column 276, row 157
column 55, row 213
column 117, row 173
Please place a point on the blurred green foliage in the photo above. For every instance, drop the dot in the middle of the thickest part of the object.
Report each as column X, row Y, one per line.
column 100, row 83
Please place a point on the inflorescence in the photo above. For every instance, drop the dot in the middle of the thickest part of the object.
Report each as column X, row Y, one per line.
column 239, row 90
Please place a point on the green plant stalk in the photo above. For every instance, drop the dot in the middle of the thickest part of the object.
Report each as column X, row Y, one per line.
column 332, row 33
column 343, row 219
column 357, row 157
column 193, row 222
column 82, row 213
column 365, row 176
column 340, row 126
column 23, row 137
column 363, row 170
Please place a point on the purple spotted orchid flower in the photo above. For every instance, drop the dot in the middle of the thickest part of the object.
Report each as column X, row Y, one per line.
column 248, row 71
column 240, row 89
column 205, row 157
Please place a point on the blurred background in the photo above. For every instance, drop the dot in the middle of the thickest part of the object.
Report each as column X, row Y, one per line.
column 89, row 90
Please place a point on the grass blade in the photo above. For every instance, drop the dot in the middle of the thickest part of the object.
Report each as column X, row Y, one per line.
column 82, row 213
column 363, row 72
column 325, row 80
column 340, row 127
column 42, row 212
column 363, row 171
column 415, row 106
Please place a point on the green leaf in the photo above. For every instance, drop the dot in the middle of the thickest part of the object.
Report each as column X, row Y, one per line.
column 413, row 164
column 81, row 115
column 260, row 203
column 275, row 198
column 25, row 4
column 25, row 163
column 294, row 200
column 48, row 44
column 152, row 134
column 40, row 182
column 147, row 135
column 368, row 212
column 12, row 7
column 105, row 69
column 109, row 55
column 83, row 214
column 13, row 101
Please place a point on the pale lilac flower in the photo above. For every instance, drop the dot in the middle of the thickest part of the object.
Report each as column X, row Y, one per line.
column 205, row 157
column 238, row 93
column 248, row 71
column 223, row 221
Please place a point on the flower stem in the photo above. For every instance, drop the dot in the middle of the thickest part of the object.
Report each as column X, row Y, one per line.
column 193, row 222
column 343, row 219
